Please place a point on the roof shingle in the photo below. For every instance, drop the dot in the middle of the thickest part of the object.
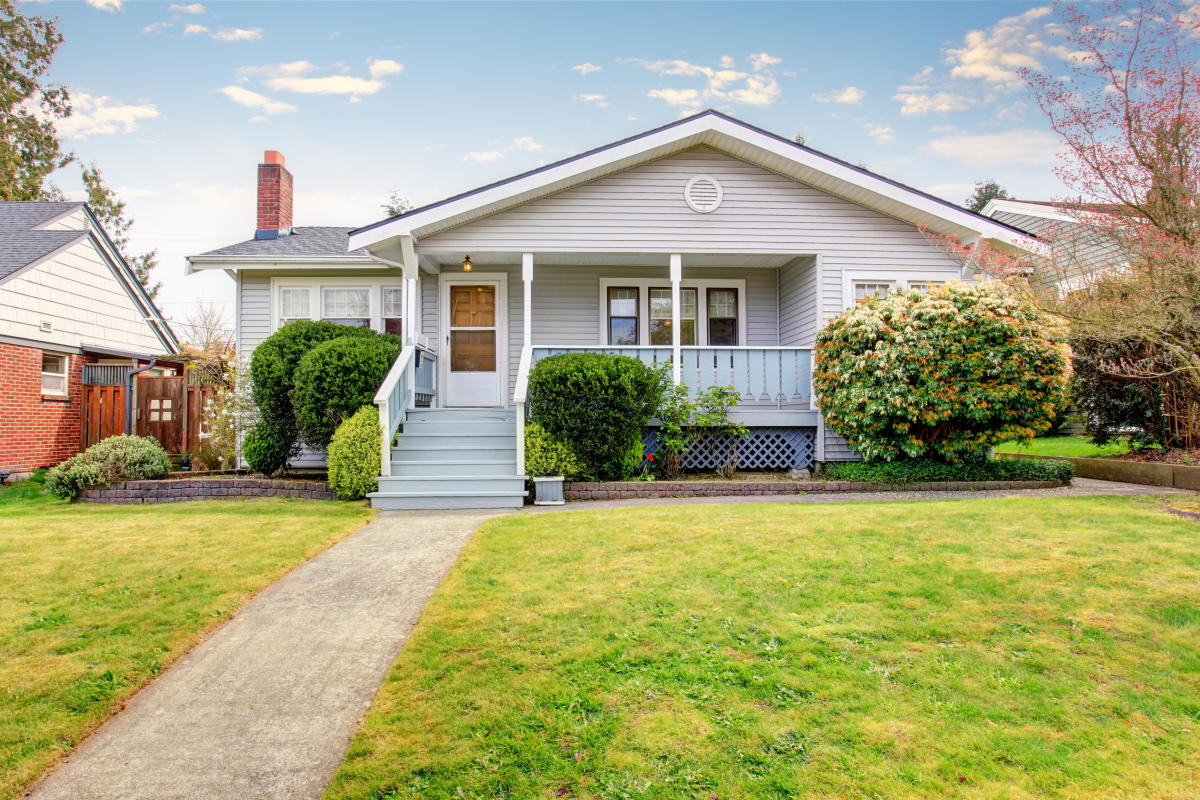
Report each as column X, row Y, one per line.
column 319, row 241
column 21, row 243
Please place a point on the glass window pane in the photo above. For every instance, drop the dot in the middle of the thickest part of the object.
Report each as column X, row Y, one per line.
column 352, row 322
column 722, row 332
column 660, row 317
column 865, row 289
column 349, row 302
column 394, row 325
column 393, row 301
column 472, row 351
column 924, row 286
column 722, row 303
column 54, row 384
column 293, row 303
column 622, row 330
column 623, row 302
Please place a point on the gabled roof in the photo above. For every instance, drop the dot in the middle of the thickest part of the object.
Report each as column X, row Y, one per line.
column 311, row 241
column 25, row 243
column 713, row 129
column 1032, row 208
column 22, row 241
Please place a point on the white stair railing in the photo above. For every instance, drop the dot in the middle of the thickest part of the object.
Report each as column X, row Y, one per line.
column 520, row 396
column 411, row 375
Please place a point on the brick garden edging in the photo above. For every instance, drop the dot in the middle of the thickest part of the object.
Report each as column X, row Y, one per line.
column 174, row 491
column 625, row 490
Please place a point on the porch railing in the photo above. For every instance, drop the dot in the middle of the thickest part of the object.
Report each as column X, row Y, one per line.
column 409, row 379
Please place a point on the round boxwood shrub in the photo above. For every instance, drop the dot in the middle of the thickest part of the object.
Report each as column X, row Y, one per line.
column 267, row 448
column 546, row 455
column 944, row 375
column 273, row 366
column 335, row 379
column 117, row 458
column 354, row 455
column 595, row 403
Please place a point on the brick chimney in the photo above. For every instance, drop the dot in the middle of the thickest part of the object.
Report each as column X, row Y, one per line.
column 274, row 197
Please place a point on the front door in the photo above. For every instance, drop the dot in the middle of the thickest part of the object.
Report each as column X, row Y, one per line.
column 474, row 338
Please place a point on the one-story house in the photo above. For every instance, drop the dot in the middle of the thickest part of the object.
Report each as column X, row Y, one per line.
column 707, row 244
column 68, row 303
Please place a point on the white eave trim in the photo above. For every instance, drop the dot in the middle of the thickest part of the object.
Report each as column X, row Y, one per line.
column 708, row 129
column 198, row 263
column 1029, row 209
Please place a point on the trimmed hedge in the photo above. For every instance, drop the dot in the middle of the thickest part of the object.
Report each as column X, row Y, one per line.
column 268, row 448
column 921, row 470
column 546, row 455
column 336, row 379
column 598, row 404
column 354, row 455
column 117, row 458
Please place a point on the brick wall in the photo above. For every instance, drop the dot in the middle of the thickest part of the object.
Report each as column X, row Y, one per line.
column 35, row 432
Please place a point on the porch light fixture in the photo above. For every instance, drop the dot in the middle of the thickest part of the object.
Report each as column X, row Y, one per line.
column 466, row 264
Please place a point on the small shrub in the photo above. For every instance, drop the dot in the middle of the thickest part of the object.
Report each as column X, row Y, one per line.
column 944, row 375
column 117, row 458
column 596, row 403
column 546, row 455
column 712, row 413
column 354, row 455
column 335, row 380
column 633, row 461
column 921, row 470
column 267, row 449
column 675, row 433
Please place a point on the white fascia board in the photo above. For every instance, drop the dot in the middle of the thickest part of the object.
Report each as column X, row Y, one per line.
column 1032, row 209
column 235, row 263
column 707, row 129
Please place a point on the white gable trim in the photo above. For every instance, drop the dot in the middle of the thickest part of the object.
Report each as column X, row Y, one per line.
column 715, row 130
column 995, row 207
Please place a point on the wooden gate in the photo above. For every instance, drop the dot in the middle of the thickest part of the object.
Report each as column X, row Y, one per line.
column 103, row 413
column 161, row 410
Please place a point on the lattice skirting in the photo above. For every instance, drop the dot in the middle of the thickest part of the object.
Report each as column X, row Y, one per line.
column 765, row 448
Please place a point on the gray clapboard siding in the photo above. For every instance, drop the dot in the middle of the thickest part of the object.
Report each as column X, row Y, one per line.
column 798, row 302
column 254, row 322
column 1078, row 250
column 836, row 448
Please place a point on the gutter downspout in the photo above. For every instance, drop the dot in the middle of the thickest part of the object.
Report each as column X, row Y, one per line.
column 129, row 392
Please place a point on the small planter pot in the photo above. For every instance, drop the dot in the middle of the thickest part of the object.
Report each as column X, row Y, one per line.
column 548, row 491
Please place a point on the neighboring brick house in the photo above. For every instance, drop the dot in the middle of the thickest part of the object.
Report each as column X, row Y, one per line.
column 67, row 298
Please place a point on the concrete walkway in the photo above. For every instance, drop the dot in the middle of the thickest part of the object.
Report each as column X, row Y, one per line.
column 266, row 706
column 1082, row 487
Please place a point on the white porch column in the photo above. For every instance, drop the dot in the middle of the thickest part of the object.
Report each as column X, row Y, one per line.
column 676, row 352
column 411, row 269
column 527, row 279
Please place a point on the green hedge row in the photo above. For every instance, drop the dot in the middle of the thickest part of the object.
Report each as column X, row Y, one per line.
column 928, row 471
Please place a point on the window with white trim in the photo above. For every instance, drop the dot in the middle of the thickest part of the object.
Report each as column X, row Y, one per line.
column 392, row 305
column 660, row 317
column 859, row 285
column 346, row 305
column 865, row 289
column 294, row 303
column 637, row 312
column 623, row 302
column 924, row 287
column 55, row 368
column 722, row 317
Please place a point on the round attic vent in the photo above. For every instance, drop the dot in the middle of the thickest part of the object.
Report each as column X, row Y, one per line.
column 703, row 194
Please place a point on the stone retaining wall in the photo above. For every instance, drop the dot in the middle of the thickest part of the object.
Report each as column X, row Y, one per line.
column 624, row 490
column 1148, row 473
column 173, row 491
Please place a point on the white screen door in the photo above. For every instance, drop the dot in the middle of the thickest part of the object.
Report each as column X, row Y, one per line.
column 474, row 338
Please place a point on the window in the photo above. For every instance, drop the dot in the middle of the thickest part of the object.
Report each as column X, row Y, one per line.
column 294, row 304
column 54, row 373
column 393, row 310
column 722, row 317
column 865, row 289
column 924, row 286
column 623, row 315
column 660, row 317
column 347, row 306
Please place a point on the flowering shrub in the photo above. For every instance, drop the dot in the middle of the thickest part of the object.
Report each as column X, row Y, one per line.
column 117, row 458
column 946, row 375
column 354, row 455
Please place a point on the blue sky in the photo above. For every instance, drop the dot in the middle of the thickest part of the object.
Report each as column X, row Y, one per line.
column 176, row 102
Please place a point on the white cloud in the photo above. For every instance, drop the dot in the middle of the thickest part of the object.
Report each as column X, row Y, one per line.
column 586, row 68
column 918, row 104
column 238, row 35
column 382, row 67
column 156, row 27
column 526, row 143
column 598, row 99
column 995, row 55
column 191, row 8
column 106, row 5
column 484, row 156
column 850, row 96
column 297, row 76
column 92, row 116
column 1024, row 146
column 260, row 102
column 723, row 83
column 193, row 28
column 883, row 134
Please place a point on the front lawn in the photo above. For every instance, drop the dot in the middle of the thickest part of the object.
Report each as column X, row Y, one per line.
column 1067, row 447
column 95, row 600
column 993, row 648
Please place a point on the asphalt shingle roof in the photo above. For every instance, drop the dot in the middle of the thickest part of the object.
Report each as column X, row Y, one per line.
column 303, row 241
column 20, row 243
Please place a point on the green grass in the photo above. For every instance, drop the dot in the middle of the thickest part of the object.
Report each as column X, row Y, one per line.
column 998, row 648
column 1066, row 446
column 96, row 600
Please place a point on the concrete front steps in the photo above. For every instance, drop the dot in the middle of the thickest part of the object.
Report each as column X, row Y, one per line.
column 454, row 458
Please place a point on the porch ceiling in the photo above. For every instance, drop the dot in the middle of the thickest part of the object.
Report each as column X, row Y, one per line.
column 452, row 261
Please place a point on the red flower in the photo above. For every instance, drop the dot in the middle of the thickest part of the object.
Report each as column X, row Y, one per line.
column 649, row 456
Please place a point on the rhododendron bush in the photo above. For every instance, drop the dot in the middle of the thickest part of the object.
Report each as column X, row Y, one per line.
column 947, row 374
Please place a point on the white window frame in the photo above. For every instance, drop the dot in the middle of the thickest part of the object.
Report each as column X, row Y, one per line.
column 899, row 278
column 65, row 375
column 316, row 296
column 644, row 285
